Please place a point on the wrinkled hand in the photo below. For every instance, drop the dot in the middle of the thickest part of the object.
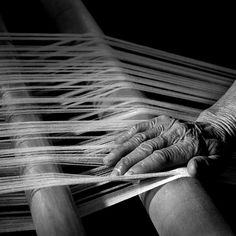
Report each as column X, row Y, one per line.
column 164, row 143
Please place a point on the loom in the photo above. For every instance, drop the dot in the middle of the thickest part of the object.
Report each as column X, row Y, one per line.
column 65, row 98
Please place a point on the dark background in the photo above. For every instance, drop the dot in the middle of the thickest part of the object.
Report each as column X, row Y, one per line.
column 190, row 28
column 193, row 29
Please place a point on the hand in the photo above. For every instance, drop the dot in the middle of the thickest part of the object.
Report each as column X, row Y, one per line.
column 163, row 143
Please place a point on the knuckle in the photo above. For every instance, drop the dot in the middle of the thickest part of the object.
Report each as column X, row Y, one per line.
column 136, row 127
column 133, row 129
column 178, row 132
column 180, row 126
column 139, row 138
column 153, row 122
column 140, row 126
column 164, row 117
column 160, row 155
column 161, row 141
column 146, row 146
column 185, row 150
column 159, row 119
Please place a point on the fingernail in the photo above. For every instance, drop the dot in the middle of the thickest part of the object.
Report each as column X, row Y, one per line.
column 129, row 173
column 193, row 167
column 115, row 172
column 108, row 159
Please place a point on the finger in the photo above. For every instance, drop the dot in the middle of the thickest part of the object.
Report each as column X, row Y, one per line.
column 142, row 151
column 125, row 148
column 160, row 123
column 155, row 128
column 140, row 127
column 201, row 166
column 159, row 160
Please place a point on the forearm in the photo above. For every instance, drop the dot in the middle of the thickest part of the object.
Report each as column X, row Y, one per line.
column 182, row 207
column 222, row 114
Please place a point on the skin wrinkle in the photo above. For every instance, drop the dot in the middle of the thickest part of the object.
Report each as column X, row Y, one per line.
column 165, row 158
column 155, row 143
column 213, row 146
column 140, row 153
column 140, row 127
column 223, row 121
column 139, row 138
column 136, row 155
column 227, row 124
column 197, row 144
column 132, row 143
column 165, row 142
column 146, row 147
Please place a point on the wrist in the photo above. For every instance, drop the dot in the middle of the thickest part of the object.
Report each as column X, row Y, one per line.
column 223, row 121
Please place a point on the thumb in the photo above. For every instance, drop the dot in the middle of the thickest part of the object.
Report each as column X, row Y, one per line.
column 201, row 166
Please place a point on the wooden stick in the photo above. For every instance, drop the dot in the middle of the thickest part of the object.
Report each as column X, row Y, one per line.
column 52, row 209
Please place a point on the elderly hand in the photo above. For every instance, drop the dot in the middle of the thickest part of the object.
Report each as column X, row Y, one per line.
column 163, row 143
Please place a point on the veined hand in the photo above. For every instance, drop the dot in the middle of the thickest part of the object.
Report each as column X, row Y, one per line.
column 163, row 143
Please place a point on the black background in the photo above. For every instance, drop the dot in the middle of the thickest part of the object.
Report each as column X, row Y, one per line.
column 191, row 28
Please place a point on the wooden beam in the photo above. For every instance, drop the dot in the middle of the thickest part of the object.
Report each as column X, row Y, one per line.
column 52, row 209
